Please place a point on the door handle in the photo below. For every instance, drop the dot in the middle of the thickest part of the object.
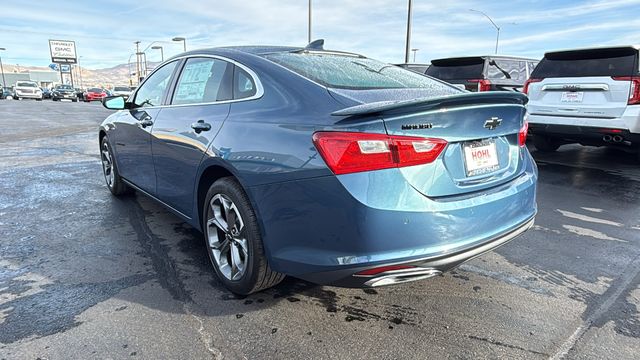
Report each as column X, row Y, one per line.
column 200, row 126
column 146, row 122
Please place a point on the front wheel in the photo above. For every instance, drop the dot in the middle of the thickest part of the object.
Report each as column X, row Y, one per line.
column 114, row 182
column 233, row 240
column 545, row 144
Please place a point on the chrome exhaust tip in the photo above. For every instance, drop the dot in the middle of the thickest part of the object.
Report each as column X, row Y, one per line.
column 607, row 138
column 402, row 276
column 617, row 138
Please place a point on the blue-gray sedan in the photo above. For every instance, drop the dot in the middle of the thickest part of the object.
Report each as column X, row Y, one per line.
column 323, row 165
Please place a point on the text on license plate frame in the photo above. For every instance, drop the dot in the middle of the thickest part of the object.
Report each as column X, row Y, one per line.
column 572, row 96
column 486, row 163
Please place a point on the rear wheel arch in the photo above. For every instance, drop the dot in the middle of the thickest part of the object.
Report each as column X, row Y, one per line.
column 208, row 176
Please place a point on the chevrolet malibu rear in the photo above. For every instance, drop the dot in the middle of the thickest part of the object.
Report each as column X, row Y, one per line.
column 339, row 169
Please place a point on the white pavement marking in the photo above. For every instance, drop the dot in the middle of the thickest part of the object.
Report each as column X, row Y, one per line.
column 592, row 209
column 591, row 233
column 586, row 218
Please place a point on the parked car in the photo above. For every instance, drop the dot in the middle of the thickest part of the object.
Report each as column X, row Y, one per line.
column 419, row 68
column 323, row 165
column 7, row 93
column 484, row 73
column 587, row 96
column 79, row 94
column 93, row 94
column 123, row 91
column 64, row 92
column 46, row 93
column 27, row 90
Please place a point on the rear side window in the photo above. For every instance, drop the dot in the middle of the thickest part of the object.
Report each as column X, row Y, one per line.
column 457, row 69
column 579, row 63
column 354, row 72
column 203, row 80
column 517, row 70
column 243, row 84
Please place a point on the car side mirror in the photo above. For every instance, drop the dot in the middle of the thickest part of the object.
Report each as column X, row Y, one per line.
column 114, row 102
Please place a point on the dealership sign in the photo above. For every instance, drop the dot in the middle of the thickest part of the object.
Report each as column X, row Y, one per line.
column 63, row 51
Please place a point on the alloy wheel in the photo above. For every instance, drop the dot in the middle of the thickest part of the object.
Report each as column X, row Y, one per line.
column 226, row 237
column 107, row 164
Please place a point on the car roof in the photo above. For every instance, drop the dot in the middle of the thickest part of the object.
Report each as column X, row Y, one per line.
column 636, row 47
column 258, row 50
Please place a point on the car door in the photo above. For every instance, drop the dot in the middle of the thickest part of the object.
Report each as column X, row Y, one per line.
column 133, row 129
column 183, row 132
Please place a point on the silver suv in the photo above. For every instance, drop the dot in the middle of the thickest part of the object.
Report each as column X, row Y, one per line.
column 586, row 96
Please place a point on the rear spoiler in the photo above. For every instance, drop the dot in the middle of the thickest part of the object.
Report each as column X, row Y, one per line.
column 425, row 104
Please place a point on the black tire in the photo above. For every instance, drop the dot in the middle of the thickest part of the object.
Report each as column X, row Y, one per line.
column 116, row 185
column 257, row 275
column 546, row 144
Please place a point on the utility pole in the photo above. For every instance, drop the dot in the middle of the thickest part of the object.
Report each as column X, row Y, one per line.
column 4, row 82
column 309, row 29
column 80, row 72
column 407, row 49
column 138, row 61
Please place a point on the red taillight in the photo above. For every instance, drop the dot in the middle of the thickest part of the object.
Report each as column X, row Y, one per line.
column 525, row 89
column 381, row 269
column 350, row 152
column 483, row 85
column 634, row 92
column 522, row 134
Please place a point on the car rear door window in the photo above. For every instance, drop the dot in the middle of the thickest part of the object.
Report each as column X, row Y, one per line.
column 204, row 80
column 243, row 84
column 591, row 62
column 457, row 68
column 517, row 70
column 153, row 89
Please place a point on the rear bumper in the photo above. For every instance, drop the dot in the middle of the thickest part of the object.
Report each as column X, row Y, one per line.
column 327, row 229
column 630, row 120
column 587, row 135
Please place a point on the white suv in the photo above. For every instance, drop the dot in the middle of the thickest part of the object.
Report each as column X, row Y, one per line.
column 27, row 90
column 586, row 96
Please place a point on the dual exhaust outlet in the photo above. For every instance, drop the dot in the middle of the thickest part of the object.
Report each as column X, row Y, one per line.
column 612, row 138
column 402, row 276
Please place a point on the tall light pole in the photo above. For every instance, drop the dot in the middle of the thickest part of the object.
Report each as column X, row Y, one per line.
column 4, row 82
column 161, row 51
column 408, row 43
column 138, row 61
column 80, row 73
column 184, row 42
column 414, row 54
column 309, row 26
column 492, row 23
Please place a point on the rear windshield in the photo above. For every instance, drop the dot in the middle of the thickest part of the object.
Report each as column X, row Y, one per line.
column 26, row 84
column 352, row 72
column 64, row 87
column 600, row 62
column 95, row 90
column 457, row 69
column 499, row 68
column 121, row 88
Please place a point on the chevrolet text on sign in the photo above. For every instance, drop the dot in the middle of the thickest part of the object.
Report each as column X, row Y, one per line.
column 63, row 51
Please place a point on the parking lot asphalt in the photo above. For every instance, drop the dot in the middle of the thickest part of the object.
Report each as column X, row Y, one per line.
column 86, row 275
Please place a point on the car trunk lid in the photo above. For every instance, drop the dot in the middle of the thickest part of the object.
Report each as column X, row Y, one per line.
column 471, row 123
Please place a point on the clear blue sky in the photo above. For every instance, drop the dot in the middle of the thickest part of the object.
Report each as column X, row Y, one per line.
column 104, row 31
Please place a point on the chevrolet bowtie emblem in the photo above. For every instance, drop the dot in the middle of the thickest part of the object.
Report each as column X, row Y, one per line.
column 492, row 123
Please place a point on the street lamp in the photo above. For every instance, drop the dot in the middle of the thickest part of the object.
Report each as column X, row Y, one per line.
column 414, row 54
column 161, row 51
column 408, row 43
column 4, row 82
column 309, row 29
column 184, row 41
column 80, row 69
column 492, row 23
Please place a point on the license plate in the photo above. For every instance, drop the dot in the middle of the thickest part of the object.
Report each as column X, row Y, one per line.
column 572, row 97
column 480, row 157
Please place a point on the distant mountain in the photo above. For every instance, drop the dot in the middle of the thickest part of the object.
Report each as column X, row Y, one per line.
column 108, row 77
